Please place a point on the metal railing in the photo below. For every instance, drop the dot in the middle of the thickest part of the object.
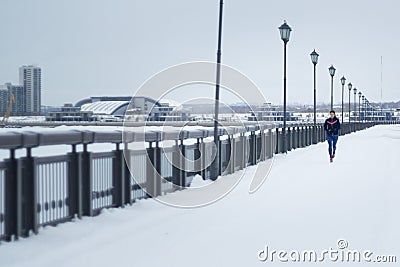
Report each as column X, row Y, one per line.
column 2, row 194
column 39, row 191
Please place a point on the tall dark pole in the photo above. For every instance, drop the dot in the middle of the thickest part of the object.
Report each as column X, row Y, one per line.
column 343, row 81
column 315, row 95
column 332, row 73
column 363, row 107
column 215, row 168
column 284, row 30
column 314, row 59
column 365, row 110
column 332, row 93
column 355, row 104
column 349, row 106
column 342, row 102
column 359, row 107
column 350, row 86
column 284, row 96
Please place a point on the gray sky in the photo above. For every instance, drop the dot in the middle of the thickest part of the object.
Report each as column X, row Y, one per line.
column 111, row 47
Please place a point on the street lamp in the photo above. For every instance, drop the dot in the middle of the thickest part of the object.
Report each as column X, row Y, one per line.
column 284, row 31
column 214, row 170
column 314, row 59
column 359, row 106
column 332, row 73
column 355, row 104
column 343, row 81
column 363, row 99
column 350, row 86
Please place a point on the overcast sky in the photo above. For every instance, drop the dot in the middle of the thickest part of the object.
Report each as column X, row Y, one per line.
column 88, row 48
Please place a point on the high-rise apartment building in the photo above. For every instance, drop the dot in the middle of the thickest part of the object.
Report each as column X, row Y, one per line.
column 3, row 99
column 18, row 107
column 30, row 79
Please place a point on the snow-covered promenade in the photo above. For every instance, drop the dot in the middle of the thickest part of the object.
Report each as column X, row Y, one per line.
column 306, row 203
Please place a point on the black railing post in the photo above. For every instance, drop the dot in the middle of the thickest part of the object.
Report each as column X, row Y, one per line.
column 197, row 157
column 253, row 149
column 277, row 150
column 219, row 156
column 270, row 144
column 11, row 198
column 232, row 160
column 85, row 178
column 288, row 139
column 127, row 178
column 300, row 130
column 178, row 171
column 307, row 137
column 244, row 151
column 153, row 168
column 118, row 167
column 321, row 133
column 263, row 143
column 27, row 204
column 74, row 197
column 203, row 168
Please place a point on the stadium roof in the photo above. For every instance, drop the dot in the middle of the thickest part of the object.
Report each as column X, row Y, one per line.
column 106, row 107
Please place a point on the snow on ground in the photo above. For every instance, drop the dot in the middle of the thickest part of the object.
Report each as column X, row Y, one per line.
column 306, row 203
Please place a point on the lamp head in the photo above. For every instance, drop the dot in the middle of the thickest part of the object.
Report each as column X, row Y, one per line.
column 314, row 57
column 343, row 80
column 285, row 30
column 332, row 70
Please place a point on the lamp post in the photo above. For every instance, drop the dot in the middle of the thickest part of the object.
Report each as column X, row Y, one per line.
column 355, row 104
column 214, row 170
column 359, row 106
column 363, row 107
column 314, row 59
column 343, row 81
column 350, row 86
column 284, row 31
column 332, row 73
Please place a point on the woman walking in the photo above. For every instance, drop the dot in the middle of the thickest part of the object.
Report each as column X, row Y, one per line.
column 332, row 127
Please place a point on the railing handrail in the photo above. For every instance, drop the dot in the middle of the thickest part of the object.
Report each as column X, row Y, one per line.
column 31, row 139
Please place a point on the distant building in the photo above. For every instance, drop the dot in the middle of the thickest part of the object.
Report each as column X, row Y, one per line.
column 167, row 111
column 4, row 98
column 18, row 107
column 136, row 108
column 269, row 112
column 374, row 114
column 117, row 105
column 70, row 113
column 46, row 109
column 30, row 79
